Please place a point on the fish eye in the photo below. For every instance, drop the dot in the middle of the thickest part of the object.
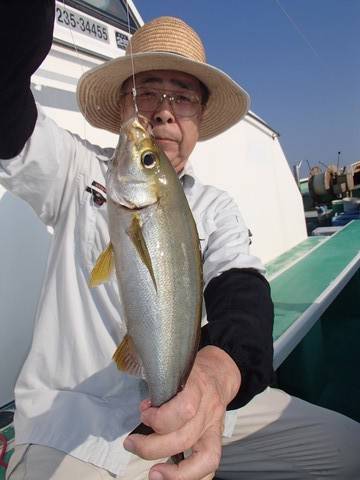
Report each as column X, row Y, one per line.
column 148, row 159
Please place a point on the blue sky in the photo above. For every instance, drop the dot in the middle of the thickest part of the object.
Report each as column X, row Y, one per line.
column 302, row 72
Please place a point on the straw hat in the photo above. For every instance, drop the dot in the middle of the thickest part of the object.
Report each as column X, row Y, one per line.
column 165, row 43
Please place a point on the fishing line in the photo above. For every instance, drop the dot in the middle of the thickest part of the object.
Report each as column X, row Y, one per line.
column 132, row 60
column 292, row 21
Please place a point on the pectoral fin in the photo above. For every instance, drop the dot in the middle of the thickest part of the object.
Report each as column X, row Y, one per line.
column 137, row 237
column 126, row 358
column 103, row 268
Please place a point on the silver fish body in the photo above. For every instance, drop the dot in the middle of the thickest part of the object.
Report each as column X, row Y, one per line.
column 157, row 262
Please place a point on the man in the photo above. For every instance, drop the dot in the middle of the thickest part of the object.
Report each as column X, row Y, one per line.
column 74, row 409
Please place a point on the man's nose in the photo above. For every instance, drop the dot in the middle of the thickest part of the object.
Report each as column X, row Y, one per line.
column 163, row 112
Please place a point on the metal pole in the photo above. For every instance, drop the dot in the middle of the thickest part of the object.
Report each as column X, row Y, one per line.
column 338, row 161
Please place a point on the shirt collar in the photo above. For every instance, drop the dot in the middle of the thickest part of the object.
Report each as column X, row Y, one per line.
column 187, row 176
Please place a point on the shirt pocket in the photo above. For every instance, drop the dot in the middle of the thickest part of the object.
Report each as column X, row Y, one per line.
column 92, row 233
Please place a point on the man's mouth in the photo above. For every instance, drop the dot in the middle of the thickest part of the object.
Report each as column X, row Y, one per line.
column 165, row 140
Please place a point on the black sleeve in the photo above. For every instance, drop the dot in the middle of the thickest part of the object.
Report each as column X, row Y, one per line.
column 240, row 317
column 25, row 40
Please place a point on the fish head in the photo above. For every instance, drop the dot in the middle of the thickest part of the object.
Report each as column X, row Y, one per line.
column 136, row 174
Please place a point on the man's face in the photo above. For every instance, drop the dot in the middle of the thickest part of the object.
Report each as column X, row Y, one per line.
column 176, row 135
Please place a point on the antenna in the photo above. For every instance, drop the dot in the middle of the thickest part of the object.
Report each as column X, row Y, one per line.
column 296, row 170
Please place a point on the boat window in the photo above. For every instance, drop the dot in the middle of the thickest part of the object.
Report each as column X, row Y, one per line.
column 110, row 11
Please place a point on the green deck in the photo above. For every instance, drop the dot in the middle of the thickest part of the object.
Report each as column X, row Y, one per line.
column 286, row 259
column 323, row 367
column 296, row 289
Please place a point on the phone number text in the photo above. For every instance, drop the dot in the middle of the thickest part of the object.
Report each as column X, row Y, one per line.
column 82, row 24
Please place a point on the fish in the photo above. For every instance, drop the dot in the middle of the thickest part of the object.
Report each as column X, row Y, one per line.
column 155, row 251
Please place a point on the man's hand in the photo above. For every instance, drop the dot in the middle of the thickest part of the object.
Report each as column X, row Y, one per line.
column 192, row 420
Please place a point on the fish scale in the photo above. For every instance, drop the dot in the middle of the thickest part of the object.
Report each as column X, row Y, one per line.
column 157, row 258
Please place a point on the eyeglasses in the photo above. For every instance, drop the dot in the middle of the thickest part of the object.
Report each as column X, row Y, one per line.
column 183, row 104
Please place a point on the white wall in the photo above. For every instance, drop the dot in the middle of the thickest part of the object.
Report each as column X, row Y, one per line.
column 249, row 163
column 54, row 87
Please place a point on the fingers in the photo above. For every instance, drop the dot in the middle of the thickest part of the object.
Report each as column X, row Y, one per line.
column 177, row 425
column 144, row 405
column 154, row 446
column 202, row 464
column 173, row 414
column 193, row 419
column 200, row 395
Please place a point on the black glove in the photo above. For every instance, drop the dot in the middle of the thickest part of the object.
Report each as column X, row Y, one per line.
column 25, row 40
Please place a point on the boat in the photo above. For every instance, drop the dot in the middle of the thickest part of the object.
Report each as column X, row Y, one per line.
column 315, row 328
column 331, row 196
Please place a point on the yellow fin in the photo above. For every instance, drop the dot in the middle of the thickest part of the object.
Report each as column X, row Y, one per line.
column 126, row 358
column 136, row 235
column 103, row 268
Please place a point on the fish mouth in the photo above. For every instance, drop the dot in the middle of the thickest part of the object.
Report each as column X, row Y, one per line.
column 137, row 129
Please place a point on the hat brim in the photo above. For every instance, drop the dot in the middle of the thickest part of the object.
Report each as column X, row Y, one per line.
column 98, row 91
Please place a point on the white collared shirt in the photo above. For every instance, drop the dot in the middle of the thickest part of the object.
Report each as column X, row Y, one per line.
column 70, row 395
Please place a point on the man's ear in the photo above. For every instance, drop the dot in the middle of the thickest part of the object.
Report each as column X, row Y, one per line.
column 202, row 112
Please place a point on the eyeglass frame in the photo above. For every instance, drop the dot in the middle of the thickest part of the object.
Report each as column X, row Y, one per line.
column 170, row 97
